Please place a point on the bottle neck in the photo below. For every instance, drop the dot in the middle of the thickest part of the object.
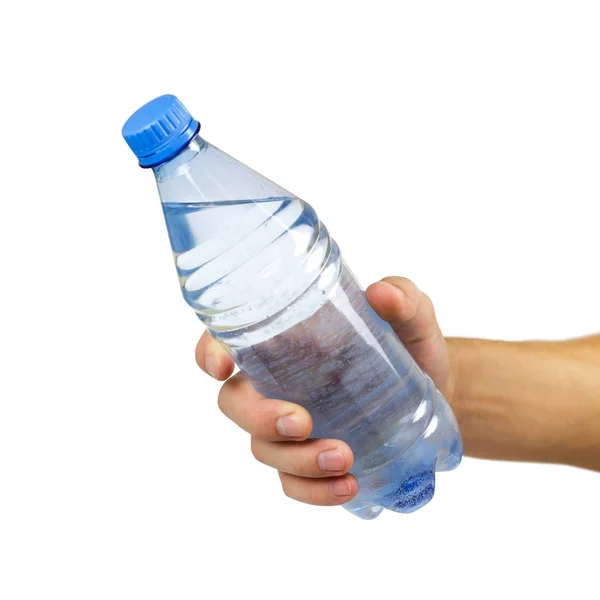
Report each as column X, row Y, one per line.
column 174, row 166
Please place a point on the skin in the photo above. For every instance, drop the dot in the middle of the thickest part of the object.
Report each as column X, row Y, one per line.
column 520, row 401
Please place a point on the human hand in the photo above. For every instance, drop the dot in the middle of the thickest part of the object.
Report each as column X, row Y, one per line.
column 316, row 471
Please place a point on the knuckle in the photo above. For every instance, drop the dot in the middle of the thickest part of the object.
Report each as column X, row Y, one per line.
column 314, row 496
column 427, row 303
column 427, row 308
column 298, row 464
column 285, row 485
column 227, row 391
column 221, row 402
column 258, row 423
column 413, row 293
column 256, row 449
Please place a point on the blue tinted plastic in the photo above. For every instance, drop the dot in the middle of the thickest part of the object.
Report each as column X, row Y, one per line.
column 159, row 130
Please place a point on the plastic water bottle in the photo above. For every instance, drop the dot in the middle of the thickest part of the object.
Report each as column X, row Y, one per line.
column 268, row 281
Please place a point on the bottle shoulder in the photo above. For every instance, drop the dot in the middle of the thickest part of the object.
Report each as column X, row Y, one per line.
column 203, row 173
column 241, row 262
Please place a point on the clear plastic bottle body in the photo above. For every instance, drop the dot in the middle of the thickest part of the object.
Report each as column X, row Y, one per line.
column 264, row 275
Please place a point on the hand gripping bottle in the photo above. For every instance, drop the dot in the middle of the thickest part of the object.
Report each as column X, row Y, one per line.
column 266, row 278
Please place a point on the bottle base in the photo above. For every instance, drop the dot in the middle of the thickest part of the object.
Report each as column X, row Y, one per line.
column 408, row 483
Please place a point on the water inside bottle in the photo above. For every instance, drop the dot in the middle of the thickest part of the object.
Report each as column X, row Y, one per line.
column 241, row 262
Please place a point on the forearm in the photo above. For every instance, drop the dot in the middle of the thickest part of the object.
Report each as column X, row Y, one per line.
column 529, row 401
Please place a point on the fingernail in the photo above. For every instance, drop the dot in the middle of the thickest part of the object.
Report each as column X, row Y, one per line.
column 340, row 487
column 331, row 460
column 289, row 426
column 211, row 365
column 400, row 293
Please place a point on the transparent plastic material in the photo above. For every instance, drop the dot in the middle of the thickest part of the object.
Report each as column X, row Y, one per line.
column 266, row 278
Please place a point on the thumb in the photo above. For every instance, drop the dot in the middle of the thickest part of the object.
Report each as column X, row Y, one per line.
column 411, row 314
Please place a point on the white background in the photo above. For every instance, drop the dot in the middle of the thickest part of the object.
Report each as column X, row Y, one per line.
column 456, row 143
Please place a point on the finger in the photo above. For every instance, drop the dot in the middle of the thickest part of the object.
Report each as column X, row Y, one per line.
column 323, row 492
column 313, row 458
column 412, row 316
column 275, row 420
column 212, row 357
column 406, row 308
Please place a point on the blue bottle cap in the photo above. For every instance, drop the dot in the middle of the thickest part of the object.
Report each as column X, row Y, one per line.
column 159, row 130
